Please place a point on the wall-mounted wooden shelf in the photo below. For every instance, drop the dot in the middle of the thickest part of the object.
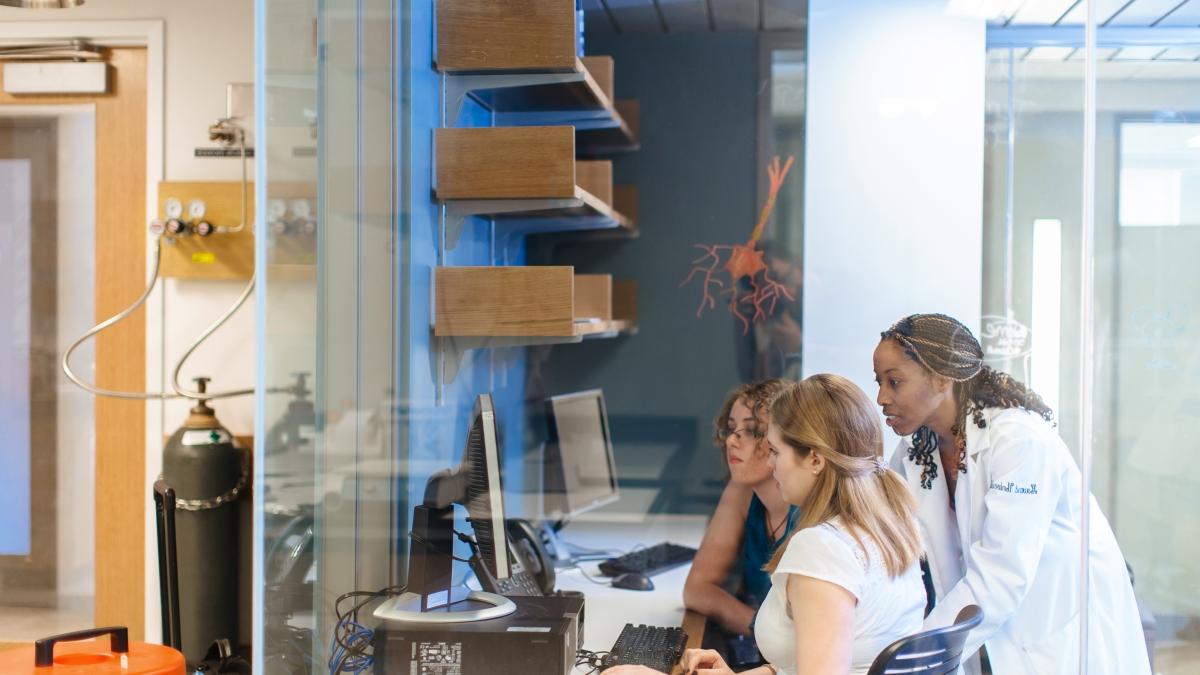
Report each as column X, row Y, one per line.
column 512, row 36
column 549, row 301
column 519, row 59
column 615, row 137
column 583, row 91
column 582, row 98
column 526, row 178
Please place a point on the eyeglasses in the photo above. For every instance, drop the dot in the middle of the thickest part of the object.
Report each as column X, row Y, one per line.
column 752, row 431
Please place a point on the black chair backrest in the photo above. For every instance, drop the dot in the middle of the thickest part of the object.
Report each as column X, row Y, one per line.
column 931, row 652
column 168, row 565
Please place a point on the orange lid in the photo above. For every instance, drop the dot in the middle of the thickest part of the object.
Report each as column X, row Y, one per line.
column 73, row 656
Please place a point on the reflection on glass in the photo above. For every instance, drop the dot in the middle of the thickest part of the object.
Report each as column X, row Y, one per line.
column 47, row 216
column 1144, row 295
column 1152, row 358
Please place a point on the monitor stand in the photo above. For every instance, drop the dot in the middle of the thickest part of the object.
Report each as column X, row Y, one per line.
column 472, row 606
column 557, row 548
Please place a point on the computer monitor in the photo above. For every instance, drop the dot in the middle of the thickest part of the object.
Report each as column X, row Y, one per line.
column 476, row 485
column 579, row 473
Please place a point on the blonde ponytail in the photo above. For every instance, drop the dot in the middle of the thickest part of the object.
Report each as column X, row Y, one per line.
column 830, row 415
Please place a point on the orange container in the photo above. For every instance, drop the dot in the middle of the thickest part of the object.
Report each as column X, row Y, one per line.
column 81, row 653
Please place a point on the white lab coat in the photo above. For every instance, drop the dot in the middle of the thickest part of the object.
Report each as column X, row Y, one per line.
column 1012, row 546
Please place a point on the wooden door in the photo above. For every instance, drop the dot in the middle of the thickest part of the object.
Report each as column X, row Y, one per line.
column 121, row 497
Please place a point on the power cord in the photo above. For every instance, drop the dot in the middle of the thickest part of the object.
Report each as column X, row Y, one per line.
column 429, row 545
column 588, row 576
column 594, row 660
column 349, row 651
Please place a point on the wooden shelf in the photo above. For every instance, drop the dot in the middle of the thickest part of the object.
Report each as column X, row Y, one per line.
column 544, row 301
column 618, row 136
column 519, row 59
column 582, row 98
column 584, row 91
column 512, row 36
column 526, row 178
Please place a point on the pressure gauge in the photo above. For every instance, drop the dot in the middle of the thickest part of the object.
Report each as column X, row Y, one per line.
column 300, row 208
column 196, row 209
column 276, row 209
column 173, row 208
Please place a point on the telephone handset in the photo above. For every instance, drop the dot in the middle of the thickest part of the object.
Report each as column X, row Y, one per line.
column 532, row 569
column 526, row 545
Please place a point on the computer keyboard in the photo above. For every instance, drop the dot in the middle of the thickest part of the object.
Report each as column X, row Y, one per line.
column 520, row 583
column 652, row 560
column 652, row 646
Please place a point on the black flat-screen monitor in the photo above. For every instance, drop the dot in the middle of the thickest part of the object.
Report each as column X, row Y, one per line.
column 476, row 485
column 579, row 473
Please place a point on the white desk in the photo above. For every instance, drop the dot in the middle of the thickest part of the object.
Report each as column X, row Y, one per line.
column 608, row 609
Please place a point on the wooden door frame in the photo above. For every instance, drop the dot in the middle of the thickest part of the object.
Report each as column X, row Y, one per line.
column 126, row 445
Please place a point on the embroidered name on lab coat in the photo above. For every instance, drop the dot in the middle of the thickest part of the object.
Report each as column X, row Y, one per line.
column 1013, row 488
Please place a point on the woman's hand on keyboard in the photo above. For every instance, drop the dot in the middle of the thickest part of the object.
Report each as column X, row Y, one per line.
column 704, row 662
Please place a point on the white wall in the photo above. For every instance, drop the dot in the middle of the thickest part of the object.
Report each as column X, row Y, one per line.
column 893, row 175
column 207, row 45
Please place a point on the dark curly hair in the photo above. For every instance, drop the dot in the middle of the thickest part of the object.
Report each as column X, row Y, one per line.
column 758, row 395
column 944, row 346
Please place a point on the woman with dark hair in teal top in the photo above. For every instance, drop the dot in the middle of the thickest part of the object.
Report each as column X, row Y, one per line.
column 727, row 582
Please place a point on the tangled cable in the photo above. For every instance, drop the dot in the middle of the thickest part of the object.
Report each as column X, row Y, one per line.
column 594, row 660
column 349, row 651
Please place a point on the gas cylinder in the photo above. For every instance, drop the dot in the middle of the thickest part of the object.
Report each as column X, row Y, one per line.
column 209, row 473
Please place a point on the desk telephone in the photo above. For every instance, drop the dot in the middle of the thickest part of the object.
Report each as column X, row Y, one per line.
column 532, row 569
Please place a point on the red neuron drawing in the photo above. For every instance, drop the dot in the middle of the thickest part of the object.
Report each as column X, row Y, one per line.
column 743, row 261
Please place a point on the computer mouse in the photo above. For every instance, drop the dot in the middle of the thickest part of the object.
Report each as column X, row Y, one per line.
column 633, row 581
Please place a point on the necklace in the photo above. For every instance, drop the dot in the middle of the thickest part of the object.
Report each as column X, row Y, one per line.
column 774, row 530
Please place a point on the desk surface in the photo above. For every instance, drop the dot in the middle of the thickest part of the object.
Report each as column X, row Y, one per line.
column 608, row 609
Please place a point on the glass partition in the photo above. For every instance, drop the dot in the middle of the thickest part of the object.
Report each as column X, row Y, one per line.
column 509, row 289
column 1149, row 159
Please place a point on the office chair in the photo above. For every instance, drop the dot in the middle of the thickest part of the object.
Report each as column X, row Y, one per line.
column 931, row 652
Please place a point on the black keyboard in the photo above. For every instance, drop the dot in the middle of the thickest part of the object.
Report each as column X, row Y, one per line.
column 652, row 646
column 652, row 560
column 520, row 583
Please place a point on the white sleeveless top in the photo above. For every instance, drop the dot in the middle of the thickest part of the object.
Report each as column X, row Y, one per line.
column 888, row 609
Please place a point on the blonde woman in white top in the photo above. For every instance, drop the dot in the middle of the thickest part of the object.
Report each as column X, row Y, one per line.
column 847, row 583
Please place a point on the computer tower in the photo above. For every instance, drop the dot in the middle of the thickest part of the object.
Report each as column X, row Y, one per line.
column 540, row 638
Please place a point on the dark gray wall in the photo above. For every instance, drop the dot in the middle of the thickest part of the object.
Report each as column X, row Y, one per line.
column 696, row 180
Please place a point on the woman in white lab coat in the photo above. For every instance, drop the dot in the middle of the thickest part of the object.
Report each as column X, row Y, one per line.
column 1002, row 525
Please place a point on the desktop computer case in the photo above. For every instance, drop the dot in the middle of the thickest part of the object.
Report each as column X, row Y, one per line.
column 540, row 638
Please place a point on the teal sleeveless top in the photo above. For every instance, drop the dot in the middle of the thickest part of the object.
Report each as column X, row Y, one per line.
column 757, row 550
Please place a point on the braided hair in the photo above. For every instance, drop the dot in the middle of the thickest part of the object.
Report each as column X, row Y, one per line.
column 944, row 346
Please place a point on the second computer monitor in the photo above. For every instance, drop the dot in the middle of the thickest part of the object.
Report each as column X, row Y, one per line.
column 579, row 473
